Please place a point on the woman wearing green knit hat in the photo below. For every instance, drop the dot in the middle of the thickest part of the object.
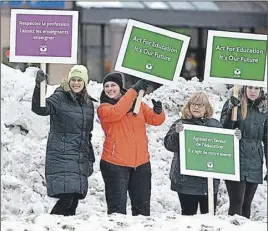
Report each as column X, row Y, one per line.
column 69, row 153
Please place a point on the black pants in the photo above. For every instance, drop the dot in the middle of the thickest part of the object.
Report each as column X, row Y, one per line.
column 189, row 203
column 66, row 205
column 119, row 180
column 240, row 195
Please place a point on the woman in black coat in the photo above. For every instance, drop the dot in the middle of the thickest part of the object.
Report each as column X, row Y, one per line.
column 69, row 153
column 252, row 121
column 192, row 190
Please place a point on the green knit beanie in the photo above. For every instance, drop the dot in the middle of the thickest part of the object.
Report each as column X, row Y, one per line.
column 78, row 71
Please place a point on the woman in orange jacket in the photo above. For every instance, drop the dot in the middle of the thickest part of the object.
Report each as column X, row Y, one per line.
column 125, row 162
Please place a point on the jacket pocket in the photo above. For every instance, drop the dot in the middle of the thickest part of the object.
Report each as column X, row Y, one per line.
column 63, row 144
column 175, row 174
column 260, row 152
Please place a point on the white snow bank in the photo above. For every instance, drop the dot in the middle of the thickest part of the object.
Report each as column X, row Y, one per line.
column 24, row 135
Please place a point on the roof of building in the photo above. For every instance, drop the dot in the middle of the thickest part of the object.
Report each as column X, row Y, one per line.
column 184, row 13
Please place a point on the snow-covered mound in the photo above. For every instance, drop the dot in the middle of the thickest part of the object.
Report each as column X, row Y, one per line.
column 24, row 135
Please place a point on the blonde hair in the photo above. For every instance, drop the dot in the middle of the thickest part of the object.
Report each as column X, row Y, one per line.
column 244, row 102
column 244, row 106
column 201, row 98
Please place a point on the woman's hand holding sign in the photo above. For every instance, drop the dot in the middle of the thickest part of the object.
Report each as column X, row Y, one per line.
column 179, row 127
column 139, row 87
column 40, row 77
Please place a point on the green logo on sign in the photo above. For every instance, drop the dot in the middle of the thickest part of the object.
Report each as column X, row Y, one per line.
column 240, row 58
column 152, row 53
column 209, row 152
column 236, row 58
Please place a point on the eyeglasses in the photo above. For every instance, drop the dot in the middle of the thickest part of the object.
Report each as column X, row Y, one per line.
column 250, row 87
column 199, row 105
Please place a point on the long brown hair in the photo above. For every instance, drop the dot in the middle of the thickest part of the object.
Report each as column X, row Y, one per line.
column 199, row 98
column 244, row 105
column 66, row 87
column 244, row 102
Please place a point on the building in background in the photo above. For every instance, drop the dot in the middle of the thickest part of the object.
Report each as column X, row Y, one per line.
column 102, row 26
column 56, row 71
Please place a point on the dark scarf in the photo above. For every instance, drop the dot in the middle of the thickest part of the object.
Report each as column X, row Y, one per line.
column 105, row 99
column 82, row 97
column 198, row 121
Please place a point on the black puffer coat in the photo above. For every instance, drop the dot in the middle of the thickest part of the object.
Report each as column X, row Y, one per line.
column 186, row 184
column 254, row 133
column 69, row 147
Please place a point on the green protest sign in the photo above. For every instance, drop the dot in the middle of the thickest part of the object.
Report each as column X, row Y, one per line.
column 152, row 53
column 236, row 58
column 209, row 152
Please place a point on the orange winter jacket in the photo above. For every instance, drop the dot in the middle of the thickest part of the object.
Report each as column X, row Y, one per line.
column 126, row 141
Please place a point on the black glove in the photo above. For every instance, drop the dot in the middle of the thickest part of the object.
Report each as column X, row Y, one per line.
column 234, row 102
column 238, row 133
column 40, row 77
column 265, row 178
column 140, row 85
column 90, row 170
column 157, row 106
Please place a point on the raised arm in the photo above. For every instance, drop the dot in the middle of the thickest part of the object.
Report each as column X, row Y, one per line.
column 151, row 117
column 226, row 116
column 51, row 103
column 171, row 140
column 111, row 113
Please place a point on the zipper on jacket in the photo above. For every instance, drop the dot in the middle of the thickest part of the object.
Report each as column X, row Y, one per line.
column 79, row 155
column 63, row 140
column 135, row 164
column 113, row 149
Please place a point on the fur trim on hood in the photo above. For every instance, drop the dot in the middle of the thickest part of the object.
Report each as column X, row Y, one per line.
column 262, row 100
column 66, row 87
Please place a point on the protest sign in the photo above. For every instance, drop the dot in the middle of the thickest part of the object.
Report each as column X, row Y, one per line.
column 209, row 152
column 152, row 53
column 236, row 58
column 43, row 36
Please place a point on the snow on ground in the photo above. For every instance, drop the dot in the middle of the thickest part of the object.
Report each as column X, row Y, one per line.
column 25, row 205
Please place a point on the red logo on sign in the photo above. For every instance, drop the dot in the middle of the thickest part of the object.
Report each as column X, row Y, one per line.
column 7, row 52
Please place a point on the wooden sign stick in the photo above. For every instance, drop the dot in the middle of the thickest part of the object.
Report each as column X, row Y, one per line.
column 234, row 110
column 210, row 196
column 43, row 88
column 138, row 102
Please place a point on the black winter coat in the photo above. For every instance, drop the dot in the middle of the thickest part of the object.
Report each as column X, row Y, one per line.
column 187, row 184
column 254, row 132
column 69, row 147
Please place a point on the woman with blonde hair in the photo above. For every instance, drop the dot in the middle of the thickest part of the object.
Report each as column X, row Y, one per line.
column 252, row 121
column 192, row 190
